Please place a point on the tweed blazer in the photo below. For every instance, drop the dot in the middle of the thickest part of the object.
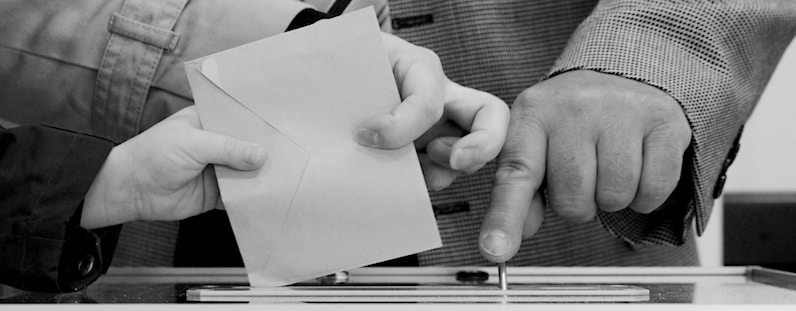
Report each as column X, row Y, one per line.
column 64, row 65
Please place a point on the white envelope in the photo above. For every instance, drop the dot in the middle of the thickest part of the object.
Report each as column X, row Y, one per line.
column 322, row 203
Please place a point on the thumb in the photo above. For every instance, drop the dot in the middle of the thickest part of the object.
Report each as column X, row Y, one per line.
column 212, row 148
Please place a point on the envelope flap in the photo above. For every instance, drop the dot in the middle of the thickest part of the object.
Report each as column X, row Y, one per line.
column 246, row 193
column 269, row 113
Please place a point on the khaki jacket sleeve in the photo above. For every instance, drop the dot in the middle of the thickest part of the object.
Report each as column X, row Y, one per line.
column 714, row 57
column 113, row 68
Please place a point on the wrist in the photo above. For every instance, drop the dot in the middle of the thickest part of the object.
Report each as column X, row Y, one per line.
column 108, row 200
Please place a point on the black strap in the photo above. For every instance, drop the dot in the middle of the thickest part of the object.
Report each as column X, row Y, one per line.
column 306, row 17
column 338, row 7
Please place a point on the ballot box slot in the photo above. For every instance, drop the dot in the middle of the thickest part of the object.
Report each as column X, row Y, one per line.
column 423, row 293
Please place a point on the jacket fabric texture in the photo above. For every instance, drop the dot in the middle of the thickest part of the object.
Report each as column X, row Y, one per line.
column 114, row 68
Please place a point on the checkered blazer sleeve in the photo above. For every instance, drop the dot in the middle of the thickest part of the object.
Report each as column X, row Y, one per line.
column 714, row 57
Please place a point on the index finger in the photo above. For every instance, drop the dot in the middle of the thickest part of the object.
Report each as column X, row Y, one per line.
column 520, row 173
column 485, row 116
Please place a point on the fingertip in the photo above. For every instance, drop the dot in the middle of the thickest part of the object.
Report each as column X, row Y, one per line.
column 367, row 137
column 440, row 178
column 254, row 156
column 474, row 150
column 496, row 245
column 381, row 131
column 464, row 158
column 240, row 155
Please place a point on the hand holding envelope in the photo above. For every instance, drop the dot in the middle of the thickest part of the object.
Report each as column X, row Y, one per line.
column 323, row 202
column 435, row 113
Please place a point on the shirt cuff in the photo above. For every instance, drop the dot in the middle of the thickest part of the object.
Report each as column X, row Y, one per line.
column 86, row 254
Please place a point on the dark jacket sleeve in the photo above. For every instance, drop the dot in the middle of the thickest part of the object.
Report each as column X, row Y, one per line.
column 44, row 175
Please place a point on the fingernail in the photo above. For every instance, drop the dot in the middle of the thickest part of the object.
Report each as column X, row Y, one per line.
column 462, row 158
column 367, row 137
column 495, row 243
column 435, row 186
column 255, row 155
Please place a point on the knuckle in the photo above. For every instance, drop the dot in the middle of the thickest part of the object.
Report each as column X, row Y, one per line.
column 617, row 183
column 230, row 147
column 514, row 168
column 525, row 120
column 666, row 112
column 652, row 195
column 530, row 98
column 611, row 200
column 432, row 111
column 647, row 205
column 670, row 136
column 503, row 213
column 575, row 209
column 563, row 95
column 430, row 55
column 522, row 124
column 656, row 189
column 644, row 208
column 537, row 107
column 683, row 134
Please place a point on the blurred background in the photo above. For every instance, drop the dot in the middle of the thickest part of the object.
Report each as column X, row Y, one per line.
column 754, row 222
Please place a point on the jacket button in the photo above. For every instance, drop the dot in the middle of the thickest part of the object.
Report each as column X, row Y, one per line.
column 736, row 146
column 85, row 265
column 719, row 186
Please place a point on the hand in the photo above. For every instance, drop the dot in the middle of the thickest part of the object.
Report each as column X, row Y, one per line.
column 604, row 141
column 434, row 113
column 163, row 173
